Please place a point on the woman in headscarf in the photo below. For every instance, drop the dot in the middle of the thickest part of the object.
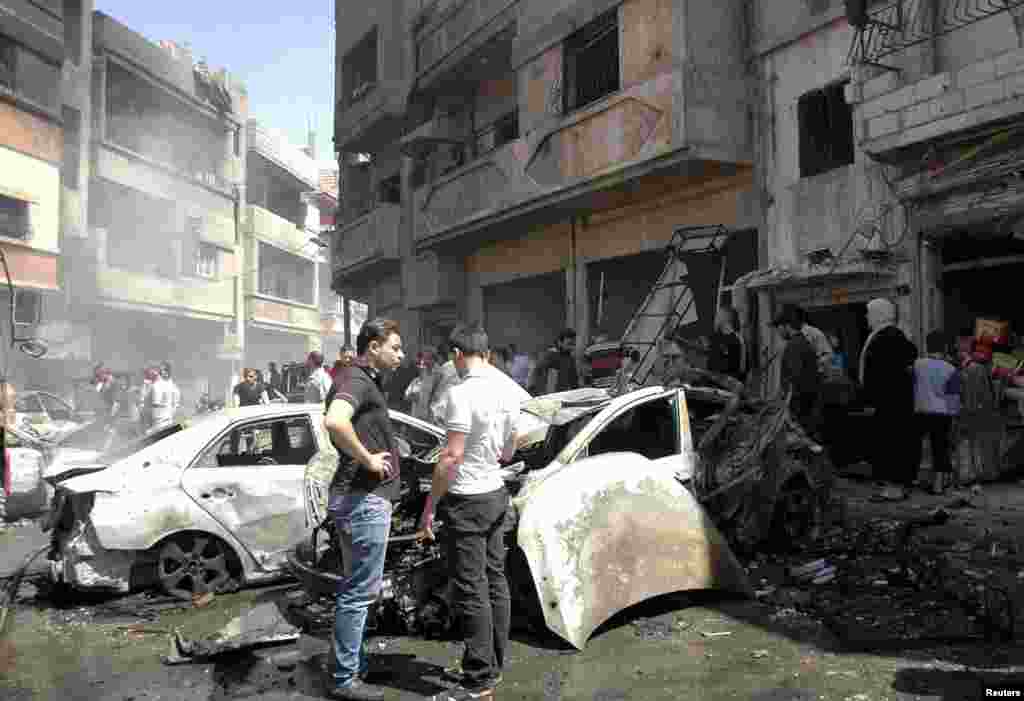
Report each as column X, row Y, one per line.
column 888, row 387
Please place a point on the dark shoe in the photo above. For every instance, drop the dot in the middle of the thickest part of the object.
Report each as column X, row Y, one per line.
column 453, row 674
column 356, row 691
column 461, row 693
column 376, row 675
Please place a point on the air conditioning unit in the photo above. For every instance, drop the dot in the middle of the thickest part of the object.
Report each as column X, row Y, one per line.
column 28, row 307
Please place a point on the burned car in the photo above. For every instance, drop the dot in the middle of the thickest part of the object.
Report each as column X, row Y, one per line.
column 621, row 499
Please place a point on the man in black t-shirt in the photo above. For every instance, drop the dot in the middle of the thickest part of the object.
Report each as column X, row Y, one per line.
column 563, row 362
column 364, row 487
column 249, row 392
column 726, row 354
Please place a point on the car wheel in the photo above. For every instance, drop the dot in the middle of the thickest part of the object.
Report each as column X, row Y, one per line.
column 193, row 563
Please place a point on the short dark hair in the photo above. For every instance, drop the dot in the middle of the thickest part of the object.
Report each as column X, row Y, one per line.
column 936, row 342
column 471, row 340
column 165, row 366
column 566, row 334
column 347, row 348
column 374, row 330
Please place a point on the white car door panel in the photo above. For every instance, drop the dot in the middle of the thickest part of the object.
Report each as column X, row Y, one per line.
column 250, row 481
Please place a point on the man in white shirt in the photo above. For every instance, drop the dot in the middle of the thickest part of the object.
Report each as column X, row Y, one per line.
column 166, row 398
column 482, row 412
column 319, row 383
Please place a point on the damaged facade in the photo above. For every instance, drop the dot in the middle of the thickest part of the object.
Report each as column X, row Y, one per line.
column 887, row 165
column 130, row 235
column 505, row 162
column 36, row 40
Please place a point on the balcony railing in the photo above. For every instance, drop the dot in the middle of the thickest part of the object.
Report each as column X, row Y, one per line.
column 896, row 25
column 370, row 238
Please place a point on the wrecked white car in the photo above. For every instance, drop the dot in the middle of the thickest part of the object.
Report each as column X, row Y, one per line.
column 613, row 506
column 204, row 505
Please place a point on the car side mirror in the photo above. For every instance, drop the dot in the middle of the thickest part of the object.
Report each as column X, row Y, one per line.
column 404, row 449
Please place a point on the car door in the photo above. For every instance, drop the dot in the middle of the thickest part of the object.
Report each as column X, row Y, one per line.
column 60, row 413
column 28, row 409
column 657, row 427
column 250, row 479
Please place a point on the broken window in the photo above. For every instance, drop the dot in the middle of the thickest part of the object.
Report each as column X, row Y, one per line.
column 649, row 429
column 591, row 67
column 285, row 275
column 825, row 122
column 359, row 69
column 14, row 218
column 287, row 441
column 207, row 256
column 72, row 135
column 495, row 135
column 391, row 190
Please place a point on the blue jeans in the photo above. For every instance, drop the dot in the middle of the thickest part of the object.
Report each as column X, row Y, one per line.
column 363, row 524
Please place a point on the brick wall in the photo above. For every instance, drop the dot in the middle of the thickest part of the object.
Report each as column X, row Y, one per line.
column 892, row 115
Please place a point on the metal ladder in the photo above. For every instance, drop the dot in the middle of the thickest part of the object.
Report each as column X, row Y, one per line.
column 671, row 302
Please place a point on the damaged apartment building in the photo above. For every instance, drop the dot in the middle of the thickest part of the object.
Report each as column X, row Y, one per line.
column 128, row 231
column 509, row 162
column 291, row 280
column 35, row 45
column 889, row 154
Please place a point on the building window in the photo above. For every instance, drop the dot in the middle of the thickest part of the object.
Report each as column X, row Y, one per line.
column 207, row 256
column 14, row 218
column 592, row 62
column 285, row 275
column 72, row 136
column 826, row 130
column 73, row 30
column 8, row 53
column 495, row 135
column 391, row 190
column 359, row 69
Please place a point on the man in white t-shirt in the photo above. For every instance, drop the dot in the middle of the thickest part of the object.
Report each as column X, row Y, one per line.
column 482, row 411
column 166, row 398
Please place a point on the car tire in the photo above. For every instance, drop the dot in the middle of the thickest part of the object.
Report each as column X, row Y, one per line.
column 194, row 563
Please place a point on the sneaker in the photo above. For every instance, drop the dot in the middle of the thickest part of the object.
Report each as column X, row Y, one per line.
column 453, row 674
column 356, row 691
column 461, row 693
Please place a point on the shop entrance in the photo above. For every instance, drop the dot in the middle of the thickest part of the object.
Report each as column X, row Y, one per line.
column 979, row 274
column 528, row 312
column 850, row 323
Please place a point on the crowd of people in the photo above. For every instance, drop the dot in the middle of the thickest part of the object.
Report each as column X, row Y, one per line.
column 137, row 409
column 945, row 396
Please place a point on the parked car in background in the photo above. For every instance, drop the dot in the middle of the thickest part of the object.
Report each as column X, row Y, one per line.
column 24, row 491
column 48, row 414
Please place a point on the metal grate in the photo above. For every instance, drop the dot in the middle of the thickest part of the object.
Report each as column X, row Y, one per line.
column 896, row 25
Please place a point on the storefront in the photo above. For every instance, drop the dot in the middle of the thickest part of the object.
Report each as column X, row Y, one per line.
column 542, row 295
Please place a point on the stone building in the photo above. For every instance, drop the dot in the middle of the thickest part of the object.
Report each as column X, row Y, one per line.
column 889, row 156
column 507, row 161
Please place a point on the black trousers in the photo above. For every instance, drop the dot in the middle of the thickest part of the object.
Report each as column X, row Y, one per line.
column 895, row 442
column 937, row 428
column 476, row 555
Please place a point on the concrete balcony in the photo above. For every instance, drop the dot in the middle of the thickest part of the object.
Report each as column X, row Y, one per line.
column 273, row 146
column 369, row 241
column 375, row 120
column 451, row 32
column 272, row 313
column 138, row 290
column 263, row 224
column 114, row 37
column 895, row 117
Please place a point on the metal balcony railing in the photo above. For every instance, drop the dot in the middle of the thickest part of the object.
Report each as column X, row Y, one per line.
column 889, row 27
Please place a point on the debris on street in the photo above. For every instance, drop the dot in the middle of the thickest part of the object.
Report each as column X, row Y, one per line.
column 259, row 626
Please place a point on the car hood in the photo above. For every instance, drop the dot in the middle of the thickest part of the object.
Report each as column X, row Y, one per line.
column 70, row 462
column 142, row 474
